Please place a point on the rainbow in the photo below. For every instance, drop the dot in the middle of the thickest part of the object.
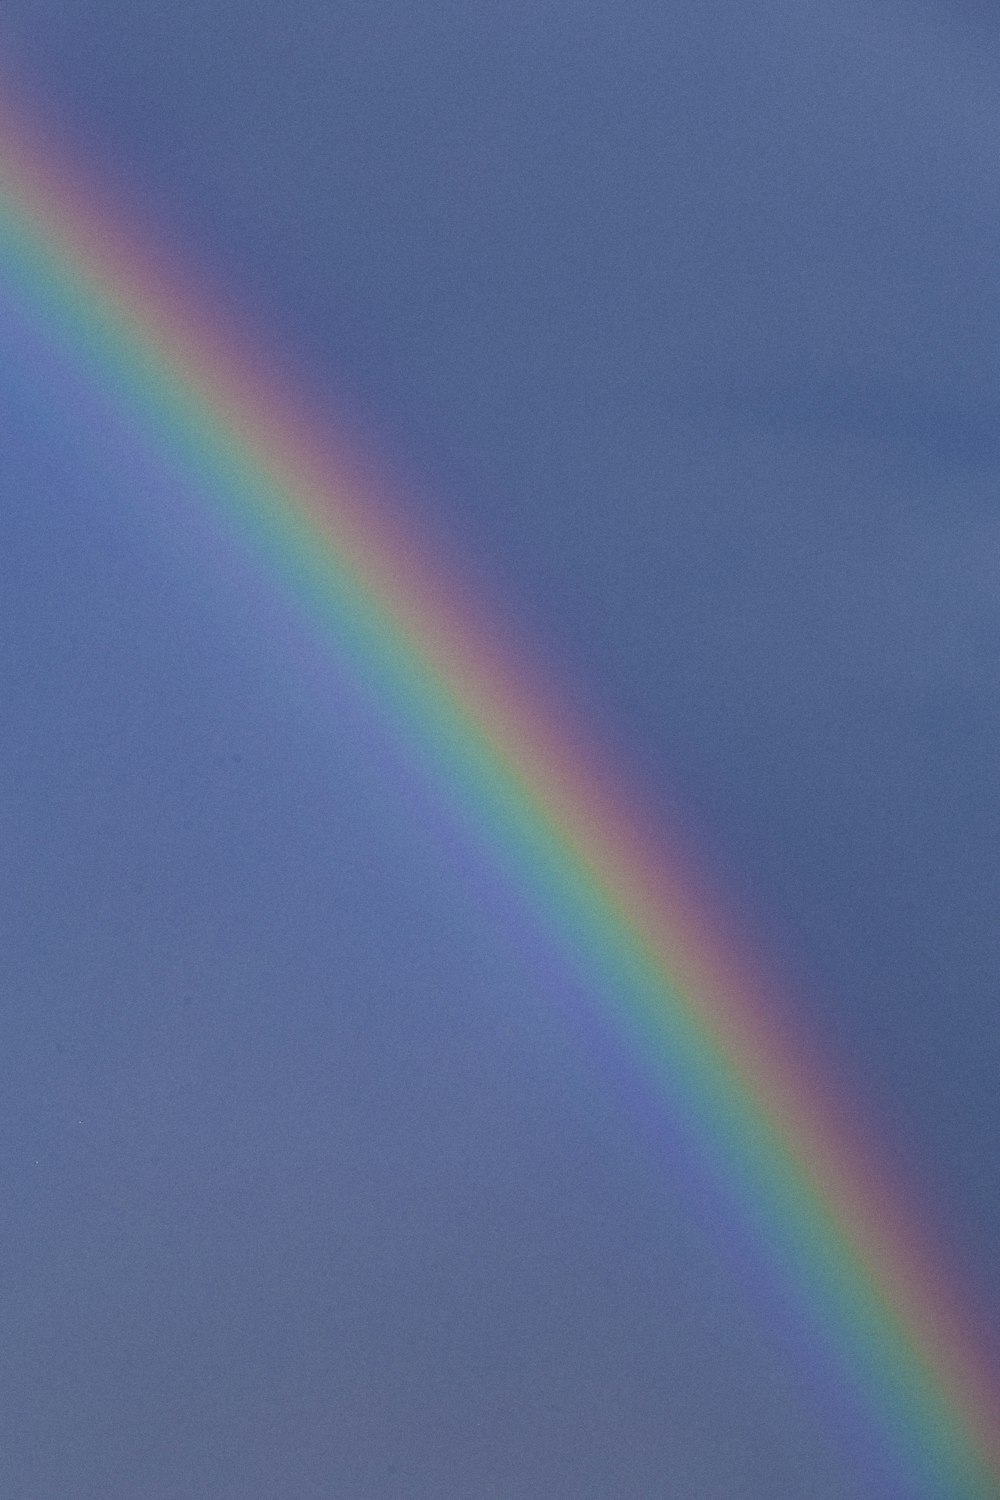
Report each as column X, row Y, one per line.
column 694, row 1008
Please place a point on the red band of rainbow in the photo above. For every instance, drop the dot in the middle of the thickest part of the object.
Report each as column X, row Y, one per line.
column 526, row 778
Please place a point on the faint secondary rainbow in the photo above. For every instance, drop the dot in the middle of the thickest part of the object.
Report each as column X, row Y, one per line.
column 523, row 775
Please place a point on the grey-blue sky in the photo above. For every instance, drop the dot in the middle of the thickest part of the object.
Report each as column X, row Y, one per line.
column 683, row 326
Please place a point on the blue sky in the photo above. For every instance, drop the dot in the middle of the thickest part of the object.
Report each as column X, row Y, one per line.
column 679, row 327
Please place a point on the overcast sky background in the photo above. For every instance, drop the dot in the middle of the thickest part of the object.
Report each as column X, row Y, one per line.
column 679, row 324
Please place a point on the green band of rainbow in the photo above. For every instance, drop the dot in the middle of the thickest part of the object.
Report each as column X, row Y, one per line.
column 524, row 777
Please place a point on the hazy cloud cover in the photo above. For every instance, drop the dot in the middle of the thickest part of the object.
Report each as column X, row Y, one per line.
column 679, row 326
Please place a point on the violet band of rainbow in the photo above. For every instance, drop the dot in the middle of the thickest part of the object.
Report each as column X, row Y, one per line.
column 534, row 787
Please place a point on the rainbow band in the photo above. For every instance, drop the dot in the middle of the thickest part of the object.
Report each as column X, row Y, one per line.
column 518, row 771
